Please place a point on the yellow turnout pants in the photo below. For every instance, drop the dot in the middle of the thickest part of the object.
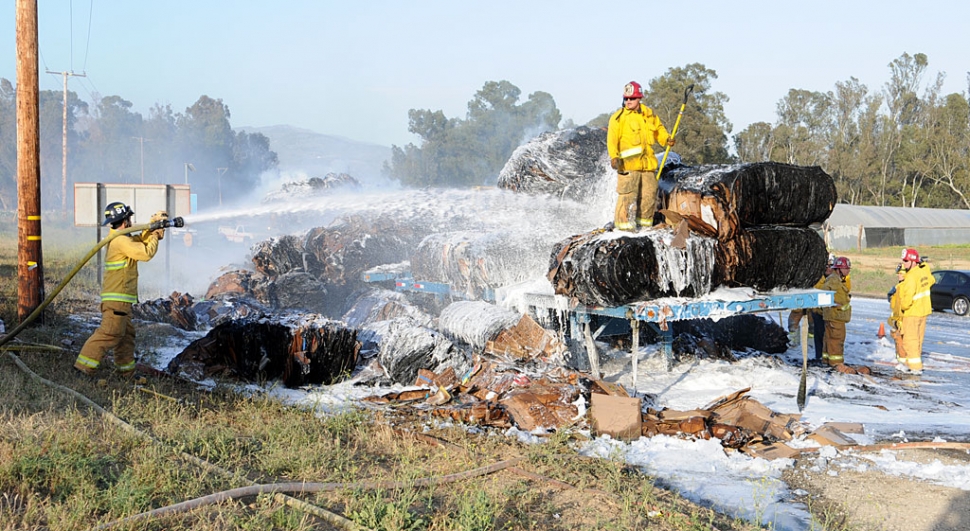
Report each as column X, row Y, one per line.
column 636, row 200
column 116, row 332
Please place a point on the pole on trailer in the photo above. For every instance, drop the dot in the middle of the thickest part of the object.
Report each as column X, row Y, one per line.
column 594, row 357
column 635, row 325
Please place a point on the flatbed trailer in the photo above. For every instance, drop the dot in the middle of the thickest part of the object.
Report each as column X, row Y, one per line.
column 625, row 319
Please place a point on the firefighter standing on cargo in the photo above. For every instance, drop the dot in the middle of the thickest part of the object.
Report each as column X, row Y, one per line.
column 119, row 292
column 912, row 305
column 632, row 132
column 836, row 316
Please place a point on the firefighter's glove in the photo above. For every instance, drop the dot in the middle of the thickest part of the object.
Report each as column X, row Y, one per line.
column 161, row 215
column 670, row 142
column 845, row 307
column 614, row 163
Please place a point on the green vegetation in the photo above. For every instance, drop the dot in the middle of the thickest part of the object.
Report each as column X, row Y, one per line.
column 109, row 143
column 471, row 152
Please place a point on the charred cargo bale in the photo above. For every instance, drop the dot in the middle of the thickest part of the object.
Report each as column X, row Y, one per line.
column 277, row 256
column 475, row 322
column 237, row 283
column 406, row 348
column 616, row 268
column 766, row 258
column 382, row 305
column 313, row 187
column 299, row 350
column 707, row 337
column 762, row 193
column 566, row 163
column 372, row 313
column 478, row 261
column 177, row 310
column 295, row 290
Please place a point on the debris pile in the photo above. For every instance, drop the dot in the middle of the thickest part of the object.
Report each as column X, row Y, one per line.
column 300, row 350
column 312, row 187
column 566, row 163
column 616, row 268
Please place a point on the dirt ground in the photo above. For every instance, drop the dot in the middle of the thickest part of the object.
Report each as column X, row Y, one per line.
column 847, row 492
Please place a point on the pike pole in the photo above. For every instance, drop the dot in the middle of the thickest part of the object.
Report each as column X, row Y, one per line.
column 687, row 91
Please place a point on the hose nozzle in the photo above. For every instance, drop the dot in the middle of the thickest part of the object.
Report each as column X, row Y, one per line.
column 177, row 222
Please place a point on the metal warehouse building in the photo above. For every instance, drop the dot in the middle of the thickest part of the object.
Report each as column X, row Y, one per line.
column 859, row 227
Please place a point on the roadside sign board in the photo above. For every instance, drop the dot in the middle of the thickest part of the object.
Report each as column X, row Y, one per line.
column 144, row 199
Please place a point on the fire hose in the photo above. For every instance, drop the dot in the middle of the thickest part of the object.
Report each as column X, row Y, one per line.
column 177, row 222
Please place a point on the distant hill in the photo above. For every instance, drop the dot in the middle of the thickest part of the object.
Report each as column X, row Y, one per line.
column 315, row 154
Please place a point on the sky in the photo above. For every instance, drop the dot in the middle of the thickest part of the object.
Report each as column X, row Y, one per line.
column 354, row 69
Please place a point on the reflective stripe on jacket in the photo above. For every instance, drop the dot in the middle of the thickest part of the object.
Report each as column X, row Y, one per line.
column 121, row 265
column 631, row 136
column 914, row 292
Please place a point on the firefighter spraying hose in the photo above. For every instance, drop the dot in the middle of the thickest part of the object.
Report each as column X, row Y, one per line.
column 161, row 224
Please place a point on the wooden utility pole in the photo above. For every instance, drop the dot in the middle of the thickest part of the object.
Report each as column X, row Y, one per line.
column 30, row 263
column 64, row 143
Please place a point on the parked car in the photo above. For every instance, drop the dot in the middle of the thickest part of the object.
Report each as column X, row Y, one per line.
column 951, row 291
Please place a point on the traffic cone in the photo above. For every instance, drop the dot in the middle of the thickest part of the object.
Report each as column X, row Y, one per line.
column 882, row 331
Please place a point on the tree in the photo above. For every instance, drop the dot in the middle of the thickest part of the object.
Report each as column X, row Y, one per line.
column 472, row 151
column 111, row 150
column 205, row 139
column 8, row 145
column 755, row 143
column 702, row 137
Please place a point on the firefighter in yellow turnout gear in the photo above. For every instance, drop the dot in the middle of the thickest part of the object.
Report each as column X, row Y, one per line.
column 911, row 304
column 836, row 316
column 119, row 292
column 632, row 132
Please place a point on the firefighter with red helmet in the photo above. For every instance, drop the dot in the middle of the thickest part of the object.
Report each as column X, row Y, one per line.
column 119, row 291
column 911, row 304
column 836, row 316
column 632, row 132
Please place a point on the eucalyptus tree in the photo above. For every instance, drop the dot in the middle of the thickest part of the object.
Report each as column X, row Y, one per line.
column 471, row 151
column 110, row 150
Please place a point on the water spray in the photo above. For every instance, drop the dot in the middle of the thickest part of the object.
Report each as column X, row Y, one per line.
column 177, row 222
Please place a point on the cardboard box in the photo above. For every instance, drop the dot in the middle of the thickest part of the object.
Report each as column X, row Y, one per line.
column 616, row 416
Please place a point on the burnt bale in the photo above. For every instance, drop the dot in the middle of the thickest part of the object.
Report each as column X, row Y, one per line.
column 372, row 313
column 566, row 163
column 177, row 310
column 277, row 256
column 299, row 350
column 475, row 323
column 710, row 338
column 475, row 262
column 294, row 290
column 617, row 268
column 313, row 187
column 766, row 258
column 762, row 193
column 407, row 347
column 237, row 283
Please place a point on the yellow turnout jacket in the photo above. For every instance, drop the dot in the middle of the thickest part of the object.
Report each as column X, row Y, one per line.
column 121, row 265
column 631, row 136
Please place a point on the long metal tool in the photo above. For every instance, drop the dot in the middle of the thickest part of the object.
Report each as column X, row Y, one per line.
column 803, row 384
column 687, row 91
